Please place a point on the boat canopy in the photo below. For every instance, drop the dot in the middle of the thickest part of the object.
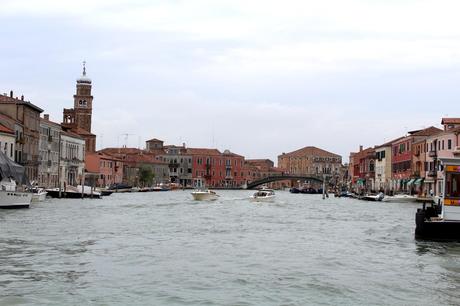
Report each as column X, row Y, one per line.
column 10, row 169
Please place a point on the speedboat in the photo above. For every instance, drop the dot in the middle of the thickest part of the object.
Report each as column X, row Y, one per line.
column 204, row 195
column 376, row 198
column 400, row 198
column 263, row 195
column 38, row 194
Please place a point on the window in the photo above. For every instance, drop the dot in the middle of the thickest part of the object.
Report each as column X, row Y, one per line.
column 449, row 144
column 443, row 144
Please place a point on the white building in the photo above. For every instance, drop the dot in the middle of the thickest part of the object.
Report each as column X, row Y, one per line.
column 7, row 141
column 72, row 162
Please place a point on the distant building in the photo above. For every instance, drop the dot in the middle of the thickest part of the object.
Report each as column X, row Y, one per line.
column 362, row 169
column 383, row 174
column 27, row 126
column 103, row 170
column 310, row 161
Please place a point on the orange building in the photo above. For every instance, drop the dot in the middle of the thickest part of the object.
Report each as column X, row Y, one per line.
column 106, row 169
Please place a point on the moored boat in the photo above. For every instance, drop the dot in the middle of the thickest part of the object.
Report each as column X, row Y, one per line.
column 12, row 180
column 400, row 198
column 375, row 198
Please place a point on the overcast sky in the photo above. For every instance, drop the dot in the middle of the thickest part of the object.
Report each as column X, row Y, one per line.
column 256, row 77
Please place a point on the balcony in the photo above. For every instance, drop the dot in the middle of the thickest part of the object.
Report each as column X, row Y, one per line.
column 433, row 153
column 50, row 138
column 20, row 140
column 417, row 154
column 432, row 173
column 49, row 163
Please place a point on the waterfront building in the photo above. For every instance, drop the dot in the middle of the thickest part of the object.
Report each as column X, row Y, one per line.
column 402, row 172
column 383, row 174
column 103, row 170
column 362, row 167
column 27, row 130
column 261, row 168
column 7, row 141
column 223, row 170
column 180, row 164
column 310, row 161
column 72, row 161
column 48, row 170
column 78, row 119
column 416, row 183
column 133, row 159
column 444, row 144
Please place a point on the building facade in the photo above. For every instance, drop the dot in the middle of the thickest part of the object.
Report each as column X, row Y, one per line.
column 7, row 141
column 310, row 161
column 105, row 170
column 50, row 135
column 72, row 161
column 27, row 129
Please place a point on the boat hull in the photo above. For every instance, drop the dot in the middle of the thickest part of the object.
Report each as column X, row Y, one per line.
column 13, row 199
column 263, row 199
column 204, row 196
column 435, row 230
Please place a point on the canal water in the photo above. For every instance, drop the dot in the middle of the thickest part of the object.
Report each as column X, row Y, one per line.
column 165, row 249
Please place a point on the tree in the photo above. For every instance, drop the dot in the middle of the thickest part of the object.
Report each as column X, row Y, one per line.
column 146, row 175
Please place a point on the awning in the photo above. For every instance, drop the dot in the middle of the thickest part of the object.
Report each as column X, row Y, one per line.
column 418, row 181
column 410, row 182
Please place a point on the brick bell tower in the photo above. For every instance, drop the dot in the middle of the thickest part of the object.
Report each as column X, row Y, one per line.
column 83, row 102
column 78, row 118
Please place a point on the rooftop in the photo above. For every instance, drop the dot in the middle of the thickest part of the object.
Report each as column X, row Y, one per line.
column 311, row 151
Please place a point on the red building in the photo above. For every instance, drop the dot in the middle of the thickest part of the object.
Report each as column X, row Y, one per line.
column 362, row 169
column 224, row 170
column 106, row 169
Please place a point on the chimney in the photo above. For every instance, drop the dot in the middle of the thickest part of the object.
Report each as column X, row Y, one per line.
column 22, row 97
column 360, row 148
column 46, row 117
column 183, row 144
column 11, row 93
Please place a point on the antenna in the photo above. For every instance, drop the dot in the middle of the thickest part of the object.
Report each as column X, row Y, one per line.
column 126, row 135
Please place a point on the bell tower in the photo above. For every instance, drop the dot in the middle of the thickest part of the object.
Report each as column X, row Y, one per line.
column 83, row 102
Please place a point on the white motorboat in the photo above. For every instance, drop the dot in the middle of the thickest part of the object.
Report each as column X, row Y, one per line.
column 204, row 195
column 263, row 195
column 377, row 197
column 38, row 194
column 400, row 198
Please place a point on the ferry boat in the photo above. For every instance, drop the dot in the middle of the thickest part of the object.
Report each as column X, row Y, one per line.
column 442, row 222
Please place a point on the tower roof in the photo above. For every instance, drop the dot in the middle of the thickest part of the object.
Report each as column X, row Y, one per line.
column 84, row 79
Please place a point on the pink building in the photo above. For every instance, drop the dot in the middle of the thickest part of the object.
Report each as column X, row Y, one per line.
column 442, row 145
column 105, row 169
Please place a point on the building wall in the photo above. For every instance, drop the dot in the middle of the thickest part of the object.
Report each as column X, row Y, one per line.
column 8, row 144
column 49, row 154
column 72, row 160
column 383, row 173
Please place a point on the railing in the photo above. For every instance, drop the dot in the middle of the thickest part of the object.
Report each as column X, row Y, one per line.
column 50, row 138
column 432, row 173
column 432, row 153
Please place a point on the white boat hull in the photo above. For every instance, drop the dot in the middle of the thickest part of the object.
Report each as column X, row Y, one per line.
column 263, row 199
column 204, row 196
column 14, row 199
column 400, row 199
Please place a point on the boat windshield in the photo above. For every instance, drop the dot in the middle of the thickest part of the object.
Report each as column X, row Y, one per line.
column 453, row 185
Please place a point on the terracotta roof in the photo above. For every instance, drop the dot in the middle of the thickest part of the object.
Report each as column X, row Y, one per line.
column 389, row 143
column 71, row 134
column 426, row 132
column 203, row 151
column 121, row 151
column 9, row 100
column 49, row 121
column 4, row 129
column 450, row 121
column 155, row 140
column 310, row 150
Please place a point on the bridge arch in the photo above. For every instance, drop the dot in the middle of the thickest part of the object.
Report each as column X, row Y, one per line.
column 270, row 179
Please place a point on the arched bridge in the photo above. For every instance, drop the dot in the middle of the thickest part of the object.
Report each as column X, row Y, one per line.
column 284, row 177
